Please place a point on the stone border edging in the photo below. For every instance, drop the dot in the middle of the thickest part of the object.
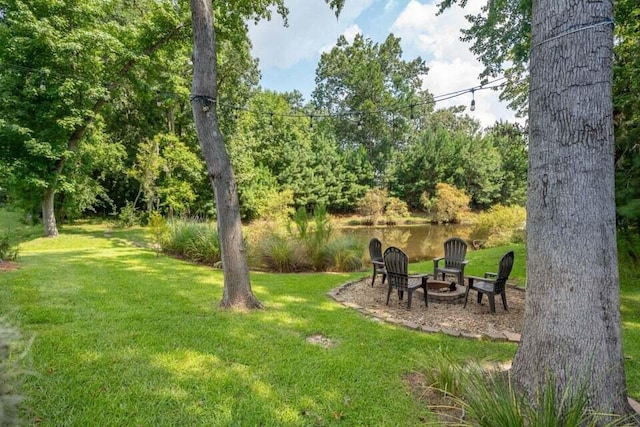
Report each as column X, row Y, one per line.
column 505, row 336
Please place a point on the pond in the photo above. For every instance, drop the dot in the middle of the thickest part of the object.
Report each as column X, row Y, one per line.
column 420, row 242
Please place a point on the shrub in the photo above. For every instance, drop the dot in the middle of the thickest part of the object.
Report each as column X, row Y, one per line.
column 451, row 204
column 372, row 205
column 159, row 230
column 8, row 251
column 129, row 216
column 198, row 242
column 395, row 209
column 343, row 253
column 309, row 245
column 500, row 225
column 283, row 254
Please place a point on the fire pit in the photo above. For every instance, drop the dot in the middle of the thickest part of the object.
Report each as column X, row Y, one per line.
column 442, row 291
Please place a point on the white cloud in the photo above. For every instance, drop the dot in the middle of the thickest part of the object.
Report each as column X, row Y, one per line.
column 391, row 4
column 452, row 66
column 349, row 34
column 312, row 25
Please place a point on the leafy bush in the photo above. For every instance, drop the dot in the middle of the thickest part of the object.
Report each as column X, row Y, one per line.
column 129, row 216
column 395, row 209
column 8, row 251
column 159, row 229
column 500, row 225
column 451, row 204
column 195, row 241
column 372, row 205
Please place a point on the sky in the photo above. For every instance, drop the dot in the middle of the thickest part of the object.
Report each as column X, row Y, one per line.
column 289, row 55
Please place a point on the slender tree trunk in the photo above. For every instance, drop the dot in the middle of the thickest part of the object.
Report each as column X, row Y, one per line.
column 572, row 331
column 48, row 213
column 237, row 287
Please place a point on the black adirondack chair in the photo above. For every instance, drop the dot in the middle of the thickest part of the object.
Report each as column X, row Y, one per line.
column 396, row 262
column 375, row 253
column 455, row 249
column 492, row 284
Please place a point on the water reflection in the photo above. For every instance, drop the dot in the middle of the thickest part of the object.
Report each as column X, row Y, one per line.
column 420, row 242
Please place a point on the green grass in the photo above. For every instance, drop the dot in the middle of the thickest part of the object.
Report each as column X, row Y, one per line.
column 123, row 337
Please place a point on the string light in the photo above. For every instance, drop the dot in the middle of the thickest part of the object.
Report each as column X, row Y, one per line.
column 473, row 100
column 207, row 101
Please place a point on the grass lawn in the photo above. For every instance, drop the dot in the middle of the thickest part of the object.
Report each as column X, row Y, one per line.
column 124, row 337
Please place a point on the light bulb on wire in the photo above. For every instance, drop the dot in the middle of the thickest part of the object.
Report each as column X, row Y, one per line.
column 473, row 100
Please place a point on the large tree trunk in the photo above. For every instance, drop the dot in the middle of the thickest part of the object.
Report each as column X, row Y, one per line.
column 48, row 213
column 572, row 330
column 237, row 287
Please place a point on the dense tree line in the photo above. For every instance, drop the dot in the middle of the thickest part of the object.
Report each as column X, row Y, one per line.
column 95, row 116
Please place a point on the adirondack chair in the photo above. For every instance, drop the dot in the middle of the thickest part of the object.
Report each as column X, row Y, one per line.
column 375, row 253
column 492, row 284
column 396, row 262
column 455, row 249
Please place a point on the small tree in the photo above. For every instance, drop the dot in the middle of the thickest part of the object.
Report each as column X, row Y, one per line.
column 395, row 209
column 451, row 203
column 372, row 205
column 159, row 230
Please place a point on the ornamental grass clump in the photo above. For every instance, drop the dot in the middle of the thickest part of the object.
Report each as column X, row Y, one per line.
column 489, row 398
column 343, row 253
column 282, row 254
column 192, row 240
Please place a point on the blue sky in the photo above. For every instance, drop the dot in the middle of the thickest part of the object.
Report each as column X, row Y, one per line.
column 289, row 55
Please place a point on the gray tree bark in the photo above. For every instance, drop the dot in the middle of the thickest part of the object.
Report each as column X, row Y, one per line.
column 237, row 286
column 48, row 213
column 572, row 330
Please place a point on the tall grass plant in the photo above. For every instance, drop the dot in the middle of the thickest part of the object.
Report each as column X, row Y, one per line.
column 193, row 240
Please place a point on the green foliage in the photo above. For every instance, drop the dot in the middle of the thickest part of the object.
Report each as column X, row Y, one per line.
column 500, row 225
column 446, row 375
column 315, row 234
column 128, row 216
column 451, row 204
column 8, row 250
column 394, row 210
column 343, row 253
column 368, row 77
column 62, row 64
column 159, row 229
column 489, row 398
column 500, row 37
column 309, row 245
column 283, row 254
column 272, row 153
column 511, row 142
column 372, row 205
column 196, row 241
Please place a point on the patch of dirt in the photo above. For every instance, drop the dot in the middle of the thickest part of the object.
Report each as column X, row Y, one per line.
column 443, row 406
column 474, row 320
column 321, row 341
column 8, row 266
